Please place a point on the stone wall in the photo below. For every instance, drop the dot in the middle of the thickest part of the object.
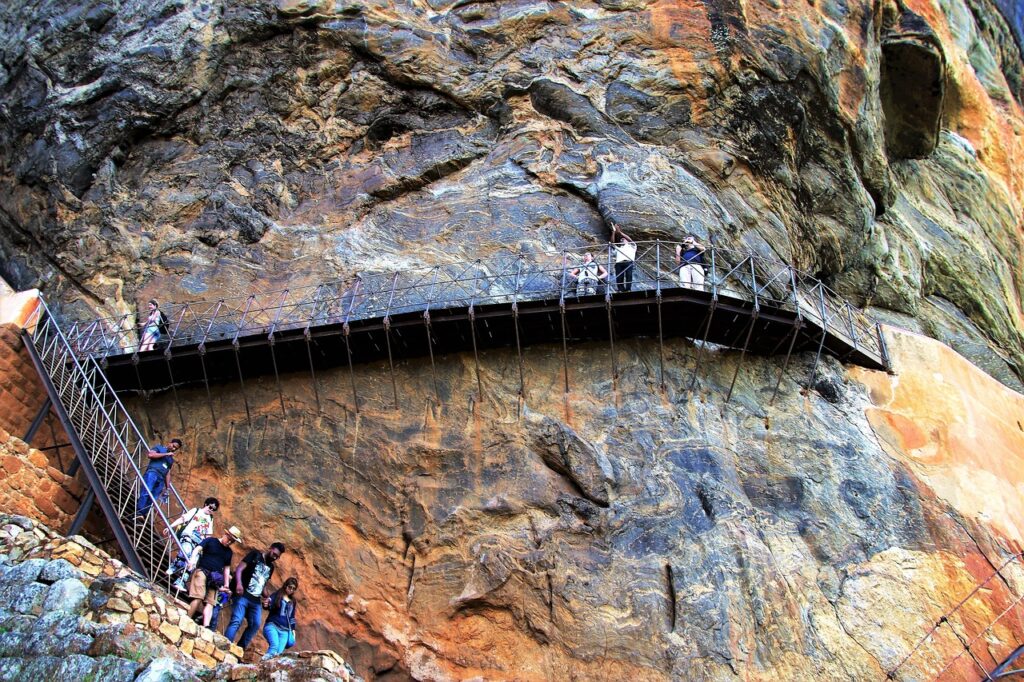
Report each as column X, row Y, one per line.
column 31, row 487
column 21, row 391
column 70, row 611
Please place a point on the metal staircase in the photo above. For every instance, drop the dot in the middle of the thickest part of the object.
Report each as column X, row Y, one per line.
column 108, row 446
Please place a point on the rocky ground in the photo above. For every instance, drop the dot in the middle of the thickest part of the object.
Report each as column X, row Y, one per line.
column 68, row 615
column 185, row 149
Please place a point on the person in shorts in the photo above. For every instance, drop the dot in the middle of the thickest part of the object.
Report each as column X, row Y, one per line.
column 210, row 564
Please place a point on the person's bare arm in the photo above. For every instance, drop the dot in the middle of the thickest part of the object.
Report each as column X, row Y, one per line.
column 194, row 559
column 238, row 578
column 227, row 572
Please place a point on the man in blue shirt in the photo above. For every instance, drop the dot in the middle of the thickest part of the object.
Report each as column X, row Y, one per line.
column 157, row 475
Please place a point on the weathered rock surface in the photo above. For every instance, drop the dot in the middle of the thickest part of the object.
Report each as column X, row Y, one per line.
column 185, row 149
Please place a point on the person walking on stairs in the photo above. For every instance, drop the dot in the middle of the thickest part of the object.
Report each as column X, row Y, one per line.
column 210, row 564
column 251, row 594
column 197, row 525
column 280, row 628
column 157, row 476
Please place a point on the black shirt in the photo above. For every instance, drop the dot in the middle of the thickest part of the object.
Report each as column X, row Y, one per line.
column 215, row 555
column 256, row 574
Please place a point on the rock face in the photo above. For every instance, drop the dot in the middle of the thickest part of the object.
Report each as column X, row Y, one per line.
column 186, row 149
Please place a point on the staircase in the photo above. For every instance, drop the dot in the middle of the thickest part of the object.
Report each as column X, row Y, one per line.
column 108, row 446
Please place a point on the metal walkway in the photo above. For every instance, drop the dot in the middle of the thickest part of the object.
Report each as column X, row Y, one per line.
column 108, row 447
column 748, row 302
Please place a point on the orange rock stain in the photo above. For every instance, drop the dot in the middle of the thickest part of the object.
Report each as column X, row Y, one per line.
column 959, row 430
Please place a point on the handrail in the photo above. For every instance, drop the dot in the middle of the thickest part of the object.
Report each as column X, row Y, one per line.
column 538, row 276
column 51, row 343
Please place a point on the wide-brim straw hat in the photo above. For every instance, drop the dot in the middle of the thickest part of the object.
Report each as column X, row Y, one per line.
column 235, row 533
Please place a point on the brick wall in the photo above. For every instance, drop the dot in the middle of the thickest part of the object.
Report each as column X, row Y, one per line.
column 32, row 487
column 21, row 390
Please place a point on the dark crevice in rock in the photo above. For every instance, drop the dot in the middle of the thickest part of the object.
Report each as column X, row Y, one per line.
column 561, row 103
column 912, row 88
column 672, row 603
column 705, row 503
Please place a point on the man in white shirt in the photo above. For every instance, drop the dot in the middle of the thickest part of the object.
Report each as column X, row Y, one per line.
column 625, row 257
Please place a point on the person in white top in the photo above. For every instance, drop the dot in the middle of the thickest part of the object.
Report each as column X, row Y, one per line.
column 588, row 276
column 197, row 526
column 625, row 258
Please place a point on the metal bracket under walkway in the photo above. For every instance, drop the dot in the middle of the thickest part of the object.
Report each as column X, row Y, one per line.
column 747, row 302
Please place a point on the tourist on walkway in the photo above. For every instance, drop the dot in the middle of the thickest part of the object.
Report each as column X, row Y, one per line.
column 625, row 259
column 157, row 475
column 155, row 321
column 280, row 628
column 690, row 259
column 197, row 525
column 588, row 276
column 251, row 594
column 210, row 564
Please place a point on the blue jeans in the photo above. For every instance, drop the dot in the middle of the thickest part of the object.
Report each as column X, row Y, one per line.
column 250, row 609
column 155, row 481
column 277, row 637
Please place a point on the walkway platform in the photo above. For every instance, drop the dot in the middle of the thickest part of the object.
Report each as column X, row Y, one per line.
column 756, row 305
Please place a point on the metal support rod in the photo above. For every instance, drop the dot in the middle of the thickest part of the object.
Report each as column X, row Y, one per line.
column 312, row 372
column 206, row 383
column 83, row 513
column 821, row 345
column 430, row 349
column 391, row 362
column 661, row 345
column 174, row 387
column 241, row 381
column 476, row 357
column 611, row 342
column 789, row 353
column 277, row 376
column 519, row 351
column 38, row 420
column 743, row 353
column 704, row 341
column 351, row 372
column 73, row 468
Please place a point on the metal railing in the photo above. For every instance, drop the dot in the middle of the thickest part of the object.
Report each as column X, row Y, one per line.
column 114, row 450
column 511, row 279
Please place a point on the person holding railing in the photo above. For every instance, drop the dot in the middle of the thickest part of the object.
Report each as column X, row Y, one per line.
column 157, row 476
column 690, row 260
column 279, row 630
column 588, row 275
column 155, row 323
column 197, row 525
column 625, row 258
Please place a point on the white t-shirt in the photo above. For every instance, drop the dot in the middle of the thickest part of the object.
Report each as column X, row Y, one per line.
column 625, row 252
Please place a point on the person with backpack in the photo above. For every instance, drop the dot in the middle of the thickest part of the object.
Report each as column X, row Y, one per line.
column 156, row 323
column 196, row 525
column 279, row 630
column 157, row 476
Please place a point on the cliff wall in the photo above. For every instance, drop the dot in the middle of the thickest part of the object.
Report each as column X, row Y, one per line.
column 186, row 149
